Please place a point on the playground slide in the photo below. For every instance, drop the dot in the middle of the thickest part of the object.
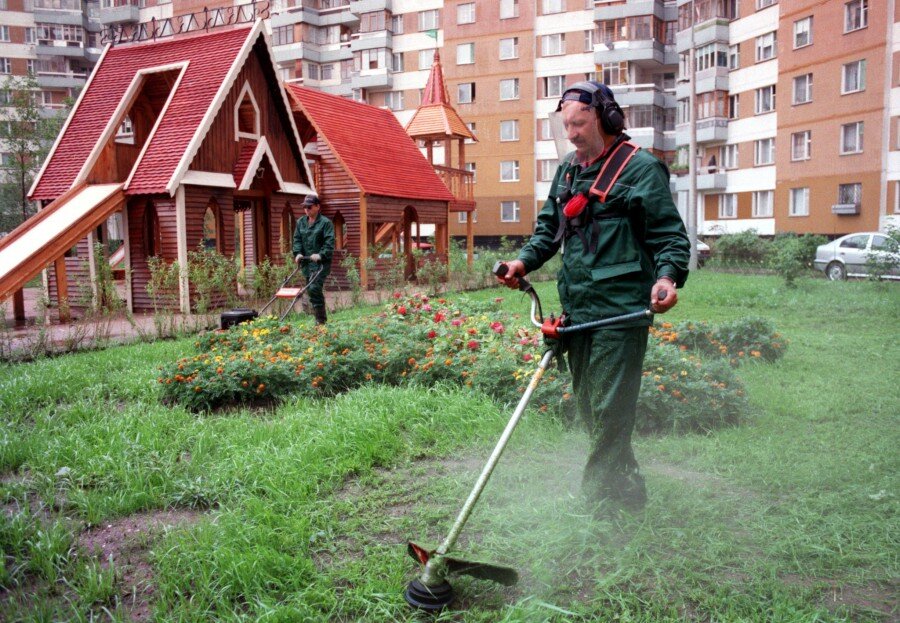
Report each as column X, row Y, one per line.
column 47, row 235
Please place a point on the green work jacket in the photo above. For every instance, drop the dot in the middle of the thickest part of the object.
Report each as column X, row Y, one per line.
column 315, row 238
column 638, row 236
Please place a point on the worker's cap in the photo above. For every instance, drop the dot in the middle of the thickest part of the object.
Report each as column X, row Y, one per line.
column 311, row 200
column 588, row 92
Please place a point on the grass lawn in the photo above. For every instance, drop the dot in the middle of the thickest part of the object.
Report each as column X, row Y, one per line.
column 115, row 507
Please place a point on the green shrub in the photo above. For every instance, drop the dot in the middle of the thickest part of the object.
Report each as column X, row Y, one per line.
column 742, row 248
column 736, row 341
column 421, row 341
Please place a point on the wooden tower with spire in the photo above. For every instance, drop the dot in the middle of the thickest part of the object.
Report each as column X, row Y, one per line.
column 436, row 121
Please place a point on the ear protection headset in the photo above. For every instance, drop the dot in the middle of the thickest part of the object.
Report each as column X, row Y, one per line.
column 600, row 97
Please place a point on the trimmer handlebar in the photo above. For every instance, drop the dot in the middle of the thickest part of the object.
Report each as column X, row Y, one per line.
column 554, row 327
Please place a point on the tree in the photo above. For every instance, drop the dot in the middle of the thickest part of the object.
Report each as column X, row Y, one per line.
column 26, row 134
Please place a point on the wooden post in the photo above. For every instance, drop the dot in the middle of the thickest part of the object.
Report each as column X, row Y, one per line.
column 62, row 289
column 129, row 295
column 363, row 240
column 470, row 240
column 462, row 154
column 92, row 270
column 19, row 305
column 184, row 290
column 429, row 148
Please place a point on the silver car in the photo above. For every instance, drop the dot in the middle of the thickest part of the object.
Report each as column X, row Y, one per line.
column 848, row 256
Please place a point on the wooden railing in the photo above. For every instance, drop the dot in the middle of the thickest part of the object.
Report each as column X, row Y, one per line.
column 459, row 181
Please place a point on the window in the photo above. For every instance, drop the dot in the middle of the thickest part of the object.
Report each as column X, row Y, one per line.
column 426, row 58
column 428, row 20
column 5, row 66
column 509, row 89
column 397, row 24
column 765, row 99
column 765, row 47
column 546, row 170
column 590, row 39
column 544, row 132
column 465, row 93
column 4, row 33
column 5, row 97
column 509, row 211
column 465, row 53
column 734, row 57
column 762, row 4
column 734, row 106
column 711, row 55
column 853, row 77
column 509, row 9
column 328, row 71
column 803, row 89
column 246, row 114
column 30, row 34
column 509, row 170
column 852, row 138
column 552, row 6
column 728, row 154
column 509, row 48
column 553, row 86
column 856, row 15
column 465, row 13
column 394, row 100
column 803, row 32
column 312, row 71
column 373, row 59
column 470, row 167
column 553, row 45
column 850, row 193
column 152, row 233
column 368, row 22
column 463, row 216
column 762, row 203
column 397, row 61
column 764, row 151
column 212, row 241
column 283, row 35
column 799, row 202
column 728, row 206
column 614, row 73
column 801, row 143
column 509, row 130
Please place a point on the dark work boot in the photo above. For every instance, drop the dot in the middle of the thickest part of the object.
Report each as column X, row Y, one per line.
column 321, row 315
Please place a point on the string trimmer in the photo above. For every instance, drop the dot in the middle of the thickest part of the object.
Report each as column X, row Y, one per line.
column 431, row 590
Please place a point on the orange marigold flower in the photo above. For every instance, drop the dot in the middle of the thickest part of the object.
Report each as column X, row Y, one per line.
column 448, row 361
column 220, row 370
column 260, row 387
column 755, row 353
column 661, row 388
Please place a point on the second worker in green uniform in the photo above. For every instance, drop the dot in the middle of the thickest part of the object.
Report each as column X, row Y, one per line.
column 624, row 248
column 313, row 247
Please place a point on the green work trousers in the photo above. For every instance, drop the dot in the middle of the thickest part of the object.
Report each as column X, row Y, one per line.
column 315, row 291
column 606, row 372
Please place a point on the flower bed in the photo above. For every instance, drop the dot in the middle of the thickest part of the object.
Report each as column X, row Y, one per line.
column 417, row 340
column 737, row 341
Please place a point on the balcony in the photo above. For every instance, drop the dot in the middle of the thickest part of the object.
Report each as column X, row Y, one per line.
column 710, row 31
column 370, row 6
column 54, row 47
column 709, row 179
column 647, row 94
column 618, row 9
column 371, row 40
column 710, row 130
column 371, row 79
column 845, row 209
column 59, row 16
column 707, row 80
column 119, row 12
column 60, row 80
column 641, row 51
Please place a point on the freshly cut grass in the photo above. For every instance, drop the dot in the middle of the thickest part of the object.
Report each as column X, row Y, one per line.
column 302, row 510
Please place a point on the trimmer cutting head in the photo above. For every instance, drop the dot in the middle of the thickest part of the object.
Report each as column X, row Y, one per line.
column 431, row 591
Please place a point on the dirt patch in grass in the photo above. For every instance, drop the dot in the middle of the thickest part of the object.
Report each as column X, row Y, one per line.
column 870, row 601
column 127, row 541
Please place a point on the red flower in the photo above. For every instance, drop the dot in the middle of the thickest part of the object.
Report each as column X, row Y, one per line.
column 439, row 316
column 527, row 357
column 397, row 295
column 472, row 345
column 575, row 205
column 401, row 310
column 472, row 331
column 432, row 335
column 497, row 327
column 456, row 322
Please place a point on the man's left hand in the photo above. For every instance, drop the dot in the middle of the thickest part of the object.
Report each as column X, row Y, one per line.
column 660, row 304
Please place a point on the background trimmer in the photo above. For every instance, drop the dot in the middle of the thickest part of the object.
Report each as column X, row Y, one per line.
column 431, row 590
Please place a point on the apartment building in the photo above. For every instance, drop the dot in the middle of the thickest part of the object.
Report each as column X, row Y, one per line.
column 783, row 91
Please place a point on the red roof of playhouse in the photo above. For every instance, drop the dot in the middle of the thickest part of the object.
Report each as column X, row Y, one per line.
column 436, row 116
column 376, row 151
column 207, row 60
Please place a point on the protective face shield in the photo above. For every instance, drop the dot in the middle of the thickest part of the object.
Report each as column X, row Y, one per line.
column 559, row 134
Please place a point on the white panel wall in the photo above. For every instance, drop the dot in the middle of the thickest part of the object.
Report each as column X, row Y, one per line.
column 753, row 77
column 765, row 226
column 566, row 64
column 572, row 21
column 754, row 25
column 753, row 128
column 409, row 6
column 754, row 178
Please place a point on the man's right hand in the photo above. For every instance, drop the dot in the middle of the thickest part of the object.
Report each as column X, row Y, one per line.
column 514, row 270
column 298, row 258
